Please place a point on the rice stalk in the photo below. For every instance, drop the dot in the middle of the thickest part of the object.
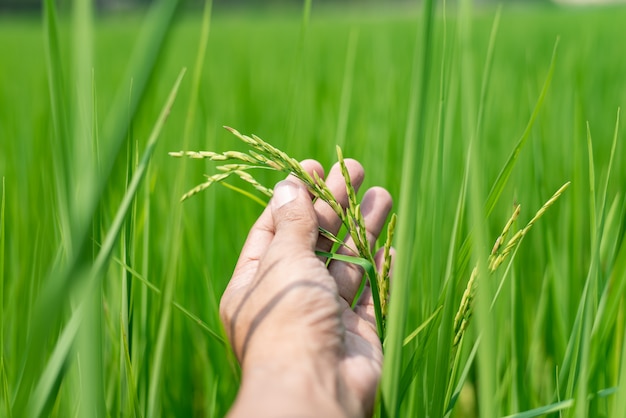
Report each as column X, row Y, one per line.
column 385, row 273
column 498, row 255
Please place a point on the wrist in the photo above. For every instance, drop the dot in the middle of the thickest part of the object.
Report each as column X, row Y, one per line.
column 291, row 389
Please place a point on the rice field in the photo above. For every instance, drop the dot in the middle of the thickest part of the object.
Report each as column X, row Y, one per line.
column 109, row 285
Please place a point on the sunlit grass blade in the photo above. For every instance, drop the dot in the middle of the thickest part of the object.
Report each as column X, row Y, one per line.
column 416, row 361
column 544, row 410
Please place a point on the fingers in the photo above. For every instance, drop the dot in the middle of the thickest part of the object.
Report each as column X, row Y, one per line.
column 291, row 214
column 375, row 207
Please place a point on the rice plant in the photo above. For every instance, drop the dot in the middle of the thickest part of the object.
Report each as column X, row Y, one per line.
column 496, row 130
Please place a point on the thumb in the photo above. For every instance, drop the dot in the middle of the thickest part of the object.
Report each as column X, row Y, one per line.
column 295, row 220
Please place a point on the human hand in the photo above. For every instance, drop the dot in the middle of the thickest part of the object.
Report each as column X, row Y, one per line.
column 304, row 351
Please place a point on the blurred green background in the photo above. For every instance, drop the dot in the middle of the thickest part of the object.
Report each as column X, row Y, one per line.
column 134, row 331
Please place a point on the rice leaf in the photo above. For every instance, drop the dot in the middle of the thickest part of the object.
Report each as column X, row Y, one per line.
column 421, row 328
column 370, row 272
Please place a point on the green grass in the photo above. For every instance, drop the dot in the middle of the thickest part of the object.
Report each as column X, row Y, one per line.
column 110, row 286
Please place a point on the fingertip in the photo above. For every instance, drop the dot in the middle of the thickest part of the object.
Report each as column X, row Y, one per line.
column 384, row 194
column 293, row 213
column 313, row 166
column 379, row 198
column 355, row 169
column 285, row 191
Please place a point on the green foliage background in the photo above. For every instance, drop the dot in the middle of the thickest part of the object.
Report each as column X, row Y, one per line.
column 305, row 83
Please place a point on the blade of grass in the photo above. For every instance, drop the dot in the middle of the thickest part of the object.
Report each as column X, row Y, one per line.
column 61, row 163
column 418, row 357
column 173, row 233
column 561, row 405
column 575, row 367
column 59, row 111
column 411, row 169
column 421, row 328
column 3, row 376
column 602, row 323
column 443, row 381
column 619, row 400
column 484, row 324
column 125, row 289
column 544, row 410
column 83, row 176
column 450, row 265
column 611, row 299
column 54, row 368
column 131, row 390
column 463, row 377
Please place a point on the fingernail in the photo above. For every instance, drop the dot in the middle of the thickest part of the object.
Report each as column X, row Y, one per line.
column 284, row 192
